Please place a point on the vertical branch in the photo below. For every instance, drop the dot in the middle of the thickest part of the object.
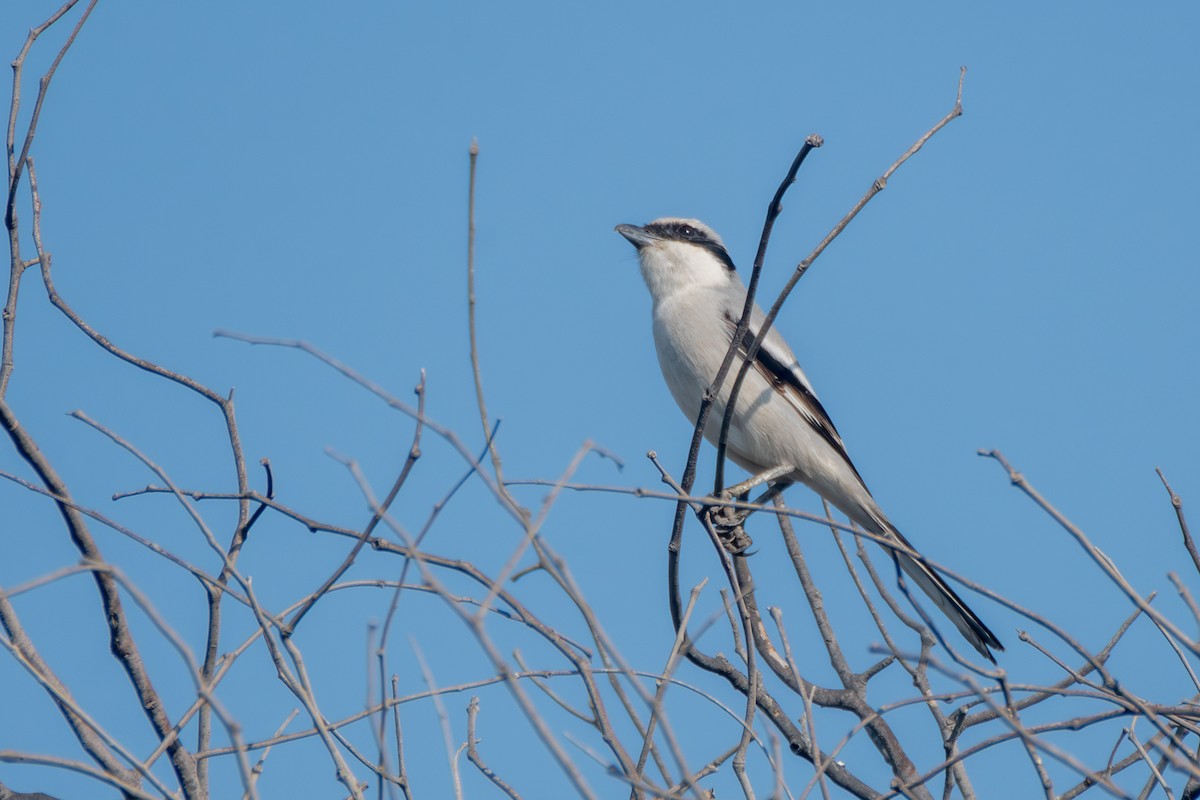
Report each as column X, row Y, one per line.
column 474, row 757
column 688, row 479
column 375, row 659
column 689, row 474
column 17, row 264
column 1035, row 757
column 773, row 211
column 214, row 594
column 1177, row 503
column 15, row 165
column 257, row 772
column 878, row 186
column 661, row 690
column 401, row 770
column 443, row 717
column 473, row 151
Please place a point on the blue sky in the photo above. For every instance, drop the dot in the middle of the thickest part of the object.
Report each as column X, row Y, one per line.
column 1027, row 282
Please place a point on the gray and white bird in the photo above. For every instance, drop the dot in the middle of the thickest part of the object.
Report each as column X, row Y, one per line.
column 778, row 420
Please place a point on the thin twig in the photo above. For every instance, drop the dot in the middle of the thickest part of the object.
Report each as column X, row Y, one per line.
column 258, row 766
column 15, row 164
column 773, row 211
column 477, row 629
column 440, row 708
column 96, row 741
column 880, row 183
column 1093, row 552
column 1177, row 504
column 474, row 757
column 414, row 453
column 476, row 372
column 17, row 757
column 661, row 689
column 442, row 431
column 401, row 768
column 1155, row 772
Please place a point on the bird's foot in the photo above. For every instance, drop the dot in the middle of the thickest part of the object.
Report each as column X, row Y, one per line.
column 728, row 521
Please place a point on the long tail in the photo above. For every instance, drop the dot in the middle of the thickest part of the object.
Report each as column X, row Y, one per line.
column 945, row 598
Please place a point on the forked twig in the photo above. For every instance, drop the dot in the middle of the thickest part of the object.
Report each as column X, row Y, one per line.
column 474, row 757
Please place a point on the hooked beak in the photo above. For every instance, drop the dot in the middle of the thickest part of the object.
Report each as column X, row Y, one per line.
column 638, row 237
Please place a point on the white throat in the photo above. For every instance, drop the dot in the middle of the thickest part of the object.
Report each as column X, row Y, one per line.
column 670, row 267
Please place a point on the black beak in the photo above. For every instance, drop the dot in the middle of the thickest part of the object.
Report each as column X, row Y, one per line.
column 638, row 236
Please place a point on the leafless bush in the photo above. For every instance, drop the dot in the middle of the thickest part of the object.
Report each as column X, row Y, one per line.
column 608, row 725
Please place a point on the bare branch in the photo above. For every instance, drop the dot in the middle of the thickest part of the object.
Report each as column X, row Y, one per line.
column 1093, row 552
column 16, row 757
column 752, row 350
column 121, row 639
column 1177, row 504
column 262, row 760
column 476, row 372
column 414, row 453
column 474, row 757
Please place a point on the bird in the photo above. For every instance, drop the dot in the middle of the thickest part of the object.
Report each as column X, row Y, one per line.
column 698, row 298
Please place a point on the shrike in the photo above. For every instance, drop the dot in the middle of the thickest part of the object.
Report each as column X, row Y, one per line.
column 697, row 302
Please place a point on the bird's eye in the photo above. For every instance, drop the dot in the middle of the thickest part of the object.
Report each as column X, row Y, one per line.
column 688, row 231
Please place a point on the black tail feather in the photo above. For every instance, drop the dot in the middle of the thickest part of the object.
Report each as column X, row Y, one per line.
column 947, row 600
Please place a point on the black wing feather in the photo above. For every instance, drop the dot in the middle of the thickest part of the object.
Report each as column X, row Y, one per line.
column 785, row 380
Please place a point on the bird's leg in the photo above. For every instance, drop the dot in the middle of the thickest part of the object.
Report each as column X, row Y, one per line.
column 728, row 520
column 770, row 476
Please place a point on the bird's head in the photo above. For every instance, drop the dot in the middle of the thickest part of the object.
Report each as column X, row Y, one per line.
column 679, row 254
